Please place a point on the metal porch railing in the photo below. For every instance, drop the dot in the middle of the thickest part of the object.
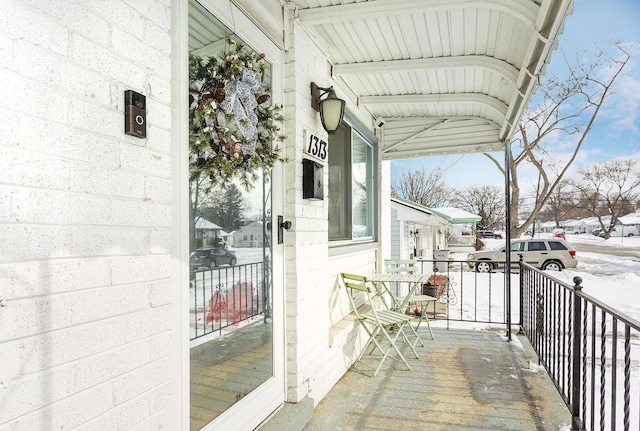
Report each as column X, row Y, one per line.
column 227, row 296
column 591, row 351
column 470, row 296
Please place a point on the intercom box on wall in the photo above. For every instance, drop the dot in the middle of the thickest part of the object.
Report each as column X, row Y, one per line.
column 135, row 114
column 312, row 180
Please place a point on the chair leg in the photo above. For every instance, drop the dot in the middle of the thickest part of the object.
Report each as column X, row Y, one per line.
column 405, row 338
column 375, row 344
column 392, row 345
column 426, row 319
column 415, row 334
column 372, row 341
column 423, row 314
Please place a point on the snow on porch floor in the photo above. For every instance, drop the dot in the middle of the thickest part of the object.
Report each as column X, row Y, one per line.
column 464, row 380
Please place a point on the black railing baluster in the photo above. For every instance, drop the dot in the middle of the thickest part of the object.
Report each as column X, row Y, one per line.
column 584, row 326
column 603, row 368
column 614, row 366
column 521, row 277
column 577, row 339
column 627, row 376
column 567, row 349
column 593, row 365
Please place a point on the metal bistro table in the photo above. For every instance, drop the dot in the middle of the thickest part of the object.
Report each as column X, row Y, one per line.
column 414, row 280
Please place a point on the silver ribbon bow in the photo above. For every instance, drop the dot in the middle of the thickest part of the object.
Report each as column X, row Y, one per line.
column 240, row 99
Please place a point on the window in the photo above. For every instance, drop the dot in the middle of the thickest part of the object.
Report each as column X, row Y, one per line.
column 537, row 246
column 517, row 246
column 351, row 185
column 556, row 245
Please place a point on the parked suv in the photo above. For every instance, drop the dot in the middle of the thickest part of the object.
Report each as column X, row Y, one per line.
column 490, row 234
column 553, row 254
column 212, row 258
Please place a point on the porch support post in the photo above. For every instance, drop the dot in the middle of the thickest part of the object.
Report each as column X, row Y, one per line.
column 507, row 203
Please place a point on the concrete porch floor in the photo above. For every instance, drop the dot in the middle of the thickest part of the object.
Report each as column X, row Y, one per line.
column 464, row 380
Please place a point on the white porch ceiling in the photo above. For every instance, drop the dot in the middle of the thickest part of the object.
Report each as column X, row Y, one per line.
column 446, row 76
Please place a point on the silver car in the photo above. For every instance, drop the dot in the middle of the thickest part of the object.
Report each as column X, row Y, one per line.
column 551, row 254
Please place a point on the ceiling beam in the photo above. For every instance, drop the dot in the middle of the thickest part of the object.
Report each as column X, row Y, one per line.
column 437, row 99
column 211, row 49
column 524, row 10
column 414, row 136
column 444, row 149
column 501, row 67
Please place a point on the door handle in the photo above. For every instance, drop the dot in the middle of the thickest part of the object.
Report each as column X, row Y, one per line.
column 281, row 226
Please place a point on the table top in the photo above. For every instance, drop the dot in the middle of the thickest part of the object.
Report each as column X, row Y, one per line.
column 398, row 277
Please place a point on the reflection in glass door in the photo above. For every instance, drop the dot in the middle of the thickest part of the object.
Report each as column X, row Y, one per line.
column 231, row 288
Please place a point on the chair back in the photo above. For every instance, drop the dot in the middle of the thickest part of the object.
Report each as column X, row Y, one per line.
column 404, row 266
column 354, row 284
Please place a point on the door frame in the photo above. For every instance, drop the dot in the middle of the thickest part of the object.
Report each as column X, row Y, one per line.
column 250, row 411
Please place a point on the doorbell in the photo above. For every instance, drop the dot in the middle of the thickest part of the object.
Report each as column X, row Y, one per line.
column 135, row 114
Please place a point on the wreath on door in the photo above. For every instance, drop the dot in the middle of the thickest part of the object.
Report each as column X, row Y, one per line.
column 233, row 128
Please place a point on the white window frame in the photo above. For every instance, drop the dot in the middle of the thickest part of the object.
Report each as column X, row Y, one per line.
column 372, row 188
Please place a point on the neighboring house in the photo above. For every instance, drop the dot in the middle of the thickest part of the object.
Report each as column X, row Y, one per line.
column 249, row 235
column 632, row 219
column 591, row 223
column 546, row 227
column 462, row 235
column 586, row 225
column 208, row 234
column 574, row 226
column 414, row 231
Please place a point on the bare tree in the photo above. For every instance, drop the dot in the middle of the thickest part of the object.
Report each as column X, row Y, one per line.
column 608, row 190
column 560, row 203
column 567, row 111
column 423, row 187
column 485, row 201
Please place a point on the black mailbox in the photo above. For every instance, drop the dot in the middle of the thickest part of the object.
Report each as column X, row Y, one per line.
column 312, row 180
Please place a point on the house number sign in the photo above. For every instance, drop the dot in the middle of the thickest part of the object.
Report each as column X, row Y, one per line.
column 316, row 147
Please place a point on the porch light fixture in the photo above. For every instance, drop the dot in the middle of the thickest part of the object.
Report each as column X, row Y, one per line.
column 331, row 108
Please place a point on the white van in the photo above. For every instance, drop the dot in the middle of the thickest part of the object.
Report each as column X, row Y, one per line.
column 623, row 230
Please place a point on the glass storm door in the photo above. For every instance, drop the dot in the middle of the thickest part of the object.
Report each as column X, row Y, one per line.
column 236, row 353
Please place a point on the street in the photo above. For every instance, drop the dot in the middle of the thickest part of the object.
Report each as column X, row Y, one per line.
column 611, row 256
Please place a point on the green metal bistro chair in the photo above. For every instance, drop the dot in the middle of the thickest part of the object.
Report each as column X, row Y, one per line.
column 382, row 326
column 411, row 266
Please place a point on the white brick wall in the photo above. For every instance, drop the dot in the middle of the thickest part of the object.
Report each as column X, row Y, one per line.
column 306, row 251
column 312, row 302
column 85, row 216
column 85, row 220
